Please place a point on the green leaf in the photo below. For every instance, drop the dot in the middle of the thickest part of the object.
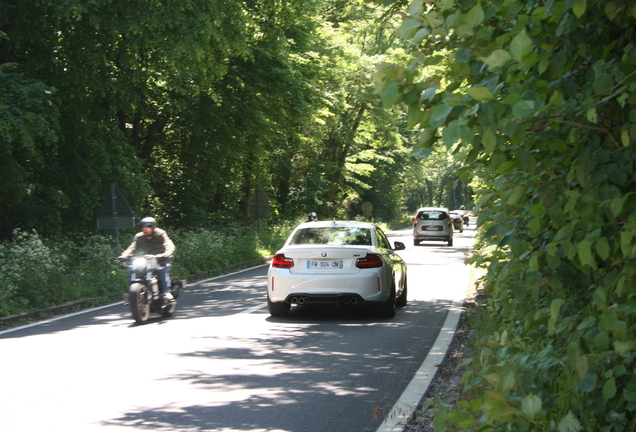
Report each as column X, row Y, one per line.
column 534, row 263
column 617, row 205
column 609, row 389
column 591, row 115
column 625, row 138
column 585, row 252
column 416, row 8
column 480, row 93
column 579, row 8
column 555, row 307
column 390, row 93
column 446, row 4
column 556, row 98
column 489, row 139
column 523, row 109
column 629, row 395
column 508, row 382
column 497, row 58
column 609, row 321
column 409, row 27
column 518, row 192
column 588, row 383
column 582, row 366
column 602, row 341
column 531, row 405
column 503, row 413
column 603, row 248
column 622, row 347
column 603, row 83
column 521, row 45
column 413, row 115
column 475, row 16
column 460, row 418
column 570, row 423
column 451, row 134
column 439, row 113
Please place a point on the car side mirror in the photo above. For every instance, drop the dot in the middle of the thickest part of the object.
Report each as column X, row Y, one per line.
column 399, row 246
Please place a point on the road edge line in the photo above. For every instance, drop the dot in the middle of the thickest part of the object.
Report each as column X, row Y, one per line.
column 412, row 395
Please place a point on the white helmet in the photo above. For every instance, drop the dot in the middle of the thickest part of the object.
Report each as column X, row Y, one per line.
column 148, row 222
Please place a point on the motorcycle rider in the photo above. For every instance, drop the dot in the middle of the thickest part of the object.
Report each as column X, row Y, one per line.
column 313, row 217
column 154, row 241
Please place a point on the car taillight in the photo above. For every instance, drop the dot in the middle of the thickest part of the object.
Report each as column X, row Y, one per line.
column 281, row 261
column 415, row 222
column 370, row 261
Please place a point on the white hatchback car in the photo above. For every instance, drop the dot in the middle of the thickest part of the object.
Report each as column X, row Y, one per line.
column 337, row 263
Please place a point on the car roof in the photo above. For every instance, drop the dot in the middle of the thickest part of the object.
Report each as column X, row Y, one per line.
column 324, row 224
column 444, row 209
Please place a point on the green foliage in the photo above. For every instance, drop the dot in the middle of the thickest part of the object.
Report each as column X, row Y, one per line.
column 539, row 99
column 39, row 273
column 208, row 249
column 188, row 105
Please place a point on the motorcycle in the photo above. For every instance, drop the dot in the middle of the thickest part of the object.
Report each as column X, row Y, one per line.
column 466, row 219
column 144, row 295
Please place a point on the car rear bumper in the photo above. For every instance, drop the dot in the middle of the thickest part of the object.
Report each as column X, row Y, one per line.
column 344, row 298
column 285, row 286
column 421, row 237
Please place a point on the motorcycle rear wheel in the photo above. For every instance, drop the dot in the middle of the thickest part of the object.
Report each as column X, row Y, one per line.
column 138, row 306
column 169, row 310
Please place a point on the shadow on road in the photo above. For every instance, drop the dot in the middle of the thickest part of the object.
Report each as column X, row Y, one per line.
column 264, row 382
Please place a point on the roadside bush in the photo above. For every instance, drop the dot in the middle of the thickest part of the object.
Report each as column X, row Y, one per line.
column 207, row 249
column 38, row 273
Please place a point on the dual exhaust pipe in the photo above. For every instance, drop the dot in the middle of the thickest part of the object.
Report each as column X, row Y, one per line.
column 299, row 300
column 349, row 300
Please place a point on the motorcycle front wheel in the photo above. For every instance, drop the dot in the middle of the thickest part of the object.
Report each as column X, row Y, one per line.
column 138, row 306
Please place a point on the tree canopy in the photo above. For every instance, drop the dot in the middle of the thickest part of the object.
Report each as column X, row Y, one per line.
column 188, row 105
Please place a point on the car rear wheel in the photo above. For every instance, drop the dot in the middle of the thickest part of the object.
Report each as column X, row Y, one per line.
column 450, row 241
column 278, row 309
column 401, row 300
column 416, row 243
column 387, row 309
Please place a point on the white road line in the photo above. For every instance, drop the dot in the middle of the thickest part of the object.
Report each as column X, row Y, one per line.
column 412, row 395
column 253, row 309
column 61, row 317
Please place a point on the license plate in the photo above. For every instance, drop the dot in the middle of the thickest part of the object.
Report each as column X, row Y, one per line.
column 324, row 264
column 433, row 228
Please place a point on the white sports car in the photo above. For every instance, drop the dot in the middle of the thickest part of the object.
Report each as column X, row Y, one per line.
column 337, row 262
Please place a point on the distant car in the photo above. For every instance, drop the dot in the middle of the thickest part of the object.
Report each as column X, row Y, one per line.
column 432, row 224
column 337, row 263
column 458, row 221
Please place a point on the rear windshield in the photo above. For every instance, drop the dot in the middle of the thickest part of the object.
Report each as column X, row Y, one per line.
column 433, row 215
column 332, row 236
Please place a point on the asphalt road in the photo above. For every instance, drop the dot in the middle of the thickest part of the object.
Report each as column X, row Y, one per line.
column 223, row 364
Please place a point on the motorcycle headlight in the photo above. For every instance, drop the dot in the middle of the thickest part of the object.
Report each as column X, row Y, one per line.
column 139, row 263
